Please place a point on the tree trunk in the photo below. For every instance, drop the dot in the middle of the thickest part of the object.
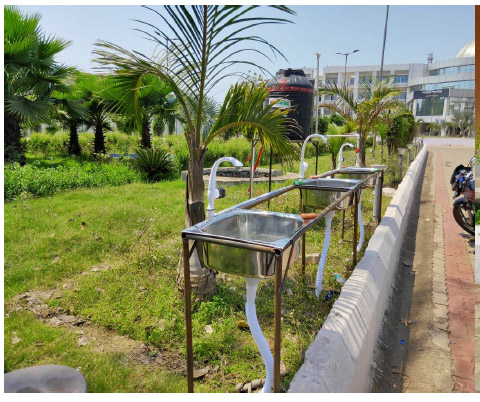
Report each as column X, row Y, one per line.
column 334, row 161
column 99, row 143
column 74, row 145
column 203, row 280
column 13, row 150
column 363, row 143
column 145, row 141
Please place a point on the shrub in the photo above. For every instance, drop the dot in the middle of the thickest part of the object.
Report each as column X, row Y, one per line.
column 38, row 181
column 156, row 163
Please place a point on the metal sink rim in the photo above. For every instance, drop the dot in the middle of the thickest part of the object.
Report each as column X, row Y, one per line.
column 199, row 228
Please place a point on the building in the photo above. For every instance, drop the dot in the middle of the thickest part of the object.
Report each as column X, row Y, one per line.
column 433, row 91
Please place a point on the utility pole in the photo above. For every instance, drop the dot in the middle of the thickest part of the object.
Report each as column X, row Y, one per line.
column 384, row 40
column 316, row 92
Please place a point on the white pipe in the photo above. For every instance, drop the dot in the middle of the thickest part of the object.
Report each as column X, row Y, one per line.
column 252, row 320
column 304, row 165
column 360, row 223
column 323, row 258
column 340, row 154
column 212, row 190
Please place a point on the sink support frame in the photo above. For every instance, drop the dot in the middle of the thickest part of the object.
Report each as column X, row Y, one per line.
column 187, row 237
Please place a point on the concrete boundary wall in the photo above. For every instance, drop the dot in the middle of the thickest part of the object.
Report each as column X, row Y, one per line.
column 340, row 358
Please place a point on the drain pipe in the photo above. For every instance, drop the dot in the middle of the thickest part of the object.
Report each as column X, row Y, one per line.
column 323, row 258
column 340, row 154
column 213, row 192
column 256, row 331
column 360, row 223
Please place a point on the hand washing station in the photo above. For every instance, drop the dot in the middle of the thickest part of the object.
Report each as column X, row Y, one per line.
column 261, row 245
column 319, row 194
column 255, row 245
column 369, row 178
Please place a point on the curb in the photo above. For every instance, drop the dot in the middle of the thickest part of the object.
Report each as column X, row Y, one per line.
column 340, row 357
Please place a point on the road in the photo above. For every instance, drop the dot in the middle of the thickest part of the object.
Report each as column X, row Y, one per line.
column 428, row 336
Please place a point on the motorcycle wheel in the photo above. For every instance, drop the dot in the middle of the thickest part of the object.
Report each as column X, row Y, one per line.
column 462, row 220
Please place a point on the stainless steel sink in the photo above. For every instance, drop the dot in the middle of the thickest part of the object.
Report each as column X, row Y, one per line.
column 320, row 193
column 242, row 227
column 359, row 173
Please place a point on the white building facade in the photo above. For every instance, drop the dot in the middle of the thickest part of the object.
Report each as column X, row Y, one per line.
column 433, row 91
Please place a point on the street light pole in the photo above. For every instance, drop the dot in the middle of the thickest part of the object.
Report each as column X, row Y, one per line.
column 316, row 93
column 345, row 72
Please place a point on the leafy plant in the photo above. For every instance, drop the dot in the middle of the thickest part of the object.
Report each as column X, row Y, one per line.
column 377, row 98
column 202, row 45
column 30, row 74
column 335, row 143
column 156, row 163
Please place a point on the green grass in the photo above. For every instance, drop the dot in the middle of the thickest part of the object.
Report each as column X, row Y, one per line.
column 104, row 372
column 135, row 230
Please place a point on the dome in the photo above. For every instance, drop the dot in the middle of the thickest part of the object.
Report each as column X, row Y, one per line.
column 467, row 51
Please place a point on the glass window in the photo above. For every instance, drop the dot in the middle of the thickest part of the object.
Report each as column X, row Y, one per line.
column 400, row 79
column 402, row 96
column 352, row 81
column 468, row 68
column 453, row 70
column 365, row 79
column 332, row 80
column 430, row 107
column 469, row 84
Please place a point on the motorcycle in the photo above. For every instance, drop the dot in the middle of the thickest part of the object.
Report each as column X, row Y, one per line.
column 464, row 208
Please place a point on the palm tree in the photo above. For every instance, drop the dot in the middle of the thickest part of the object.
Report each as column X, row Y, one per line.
column 335, row 143
column 378, row 98
column 71, row 113
column 30, row 76
column 99, row 101
column 138, row 103
column 203, row 45
column 381, row 131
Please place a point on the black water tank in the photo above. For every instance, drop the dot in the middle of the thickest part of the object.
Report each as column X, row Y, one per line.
column 296, row 93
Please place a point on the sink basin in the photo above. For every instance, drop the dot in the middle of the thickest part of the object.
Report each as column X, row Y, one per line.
column 320, row 193
column 264, row 228
column 360, row 174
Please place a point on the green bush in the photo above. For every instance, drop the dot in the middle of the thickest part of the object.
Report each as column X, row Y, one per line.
column 37, row 181
column 156, row 163
column 51, row 145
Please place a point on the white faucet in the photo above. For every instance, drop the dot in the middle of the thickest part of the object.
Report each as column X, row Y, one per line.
column 213, row 193
column 340, row 154
column 304, row 165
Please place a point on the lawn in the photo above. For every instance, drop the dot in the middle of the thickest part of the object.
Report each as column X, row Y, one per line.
column 109, row 256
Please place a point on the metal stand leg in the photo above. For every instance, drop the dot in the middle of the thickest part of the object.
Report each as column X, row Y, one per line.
column 355, row 228
column 277, row 324
column 188, row 313
column 270, row 175
column 343, row 225
column 316, row 158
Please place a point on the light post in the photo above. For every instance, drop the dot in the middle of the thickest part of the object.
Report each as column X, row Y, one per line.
column 316, row 93
column 401, row 152
column 345, row 73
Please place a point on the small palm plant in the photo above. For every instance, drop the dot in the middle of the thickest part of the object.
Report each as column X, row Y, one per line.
column 202, row 47
column 156, row 163
column 382, row 131
column 376, row 98
column 335, row 143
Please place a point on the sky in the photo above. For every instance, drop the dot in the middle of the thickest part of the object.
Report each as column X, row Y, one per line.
column 413, row 32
